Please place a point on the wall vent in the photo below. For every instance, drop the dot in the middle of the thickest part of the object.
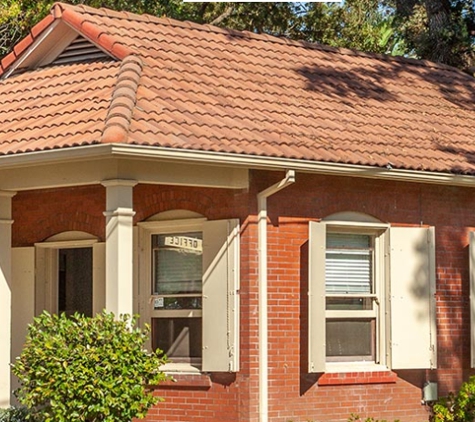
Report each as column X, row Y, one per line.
column 80, row 50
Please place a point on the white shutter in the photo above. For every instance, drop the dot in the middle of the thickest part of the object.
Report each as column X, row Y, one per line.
column 472, row 297
column 42, row 282
column 23, row 295
column 412, row 289
column 316, row 297
column 98, row 277
column 221, row 296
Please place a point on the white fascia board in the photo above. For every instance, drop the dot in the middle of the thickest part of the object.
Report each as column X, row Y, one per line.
column 230, row 160
column 29, row 55
column 304, row 166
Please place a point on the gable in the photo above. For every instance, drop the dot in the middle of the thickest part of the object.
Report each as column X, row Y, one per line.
column 58, row 45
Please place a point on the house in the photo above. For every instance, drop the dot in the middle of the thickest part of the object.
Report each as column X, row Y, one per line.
column 294, row 221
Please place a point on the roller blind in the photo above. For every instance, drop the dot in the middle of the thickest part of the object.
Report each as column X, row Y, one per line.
column 348, row 264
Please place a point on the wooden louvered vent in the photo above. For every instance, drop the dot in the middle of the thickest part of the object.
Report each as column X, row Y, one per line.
column 80, row 50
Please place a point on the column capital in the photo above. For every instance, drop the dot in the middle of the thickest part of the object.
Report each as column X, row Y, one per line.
column 120, row 212
column 7, row 194
column 119, row 182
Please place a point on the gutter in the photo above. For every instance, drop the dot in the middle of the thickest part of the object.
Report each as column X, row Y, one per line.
column 262, row 275
column 114, row 150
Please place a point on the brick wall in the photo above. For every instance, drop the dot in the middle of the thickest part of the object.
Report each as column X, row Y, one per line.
column 295, row 395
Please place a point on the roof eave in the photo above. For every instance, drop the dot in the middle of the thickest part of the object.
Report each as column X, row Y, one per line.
column 101, row 151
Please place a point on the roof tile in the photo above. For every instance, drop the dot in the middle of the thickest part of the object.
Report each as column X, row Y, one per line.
column 189, row 86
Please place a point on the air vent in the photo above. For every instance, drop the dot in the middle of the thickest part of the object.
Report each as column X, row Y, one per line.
column 80, row 50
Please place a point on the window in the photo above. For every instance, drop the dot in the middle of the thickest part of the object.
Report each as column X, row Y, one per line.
column 351, row 301
column 177, row 287
column 70, row 274
column 189, row 290
column 371, row 295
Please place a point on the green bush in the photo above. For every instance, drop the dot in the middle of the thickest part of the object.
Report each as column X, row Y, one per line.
column 15, row 414
column 86, row 369
column 459, row 407
column 356, row 418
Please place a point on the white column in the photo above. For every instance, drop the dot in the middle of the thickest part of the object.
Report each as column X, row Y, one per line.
column 5, row 295
column 119, row 246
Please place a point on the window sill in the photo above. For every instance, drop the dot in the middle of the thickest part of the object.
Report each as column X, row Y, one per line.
column 356, row 373
column 196, row 381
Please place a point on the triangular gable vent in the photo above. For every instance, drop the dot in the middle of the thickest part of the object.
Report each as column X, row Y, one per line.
column 80, row 50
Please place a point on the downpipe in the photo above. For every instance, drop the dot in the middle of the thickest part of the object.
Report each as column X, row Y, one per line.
column 262, row 279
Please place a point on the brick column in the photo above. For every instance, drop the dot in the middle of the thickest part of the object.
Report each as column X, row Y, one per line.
column 5, row 295
column 119, row 247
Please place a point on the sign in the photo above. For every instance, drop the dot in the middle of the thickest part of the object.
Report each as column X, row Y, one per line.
column 184, row 242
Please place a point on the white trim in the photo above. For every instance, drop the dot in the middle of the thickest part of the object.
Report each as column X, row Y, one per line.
column 66, row 244
column 232, row 160
column 119, row 182
column 338, row 367
column 169, row 226
column 31, row 50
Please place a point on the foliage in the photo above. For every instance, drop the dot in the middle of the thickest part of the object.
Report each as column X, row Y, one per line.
column 86, row 369
column 356, row 418
column 15, row 414
column 457, row 407
column 437, row 30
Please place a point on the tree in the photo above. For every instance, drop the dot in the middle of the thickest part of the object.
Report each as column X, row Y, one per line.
column 437, row 30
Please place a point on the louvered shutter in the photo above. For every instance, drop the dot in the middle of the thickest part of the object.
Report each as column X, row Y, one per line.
column 221, row 296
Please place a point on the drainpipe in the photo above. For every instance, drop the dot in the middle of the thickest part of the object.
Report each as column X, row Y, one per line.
column 262, row 273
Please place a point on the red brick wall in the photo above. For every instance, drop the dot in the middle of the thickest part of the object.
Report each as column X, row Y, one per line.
column 294, row 394
column 43, row 213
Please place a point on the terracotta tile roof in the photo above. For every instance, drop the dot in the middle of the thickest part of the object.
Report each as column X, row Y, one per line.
column 188, row 86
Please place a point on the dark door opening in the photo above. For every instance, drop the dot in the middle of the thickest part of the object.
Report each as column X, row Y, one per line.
column 75, row 281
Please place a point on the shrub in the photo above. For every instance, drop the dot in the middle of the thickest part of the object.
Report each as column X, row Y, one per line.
column 15, row 414
column 459, row 407
column 87, row 369
column 356, row 418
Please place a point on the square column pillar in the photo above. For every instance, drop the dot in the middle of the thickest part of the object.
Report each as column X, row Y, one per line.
column 119, row 245
column 5, row 295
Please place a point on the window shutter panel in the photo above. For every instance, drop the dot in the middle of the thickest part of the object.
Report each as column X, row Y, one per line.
column 23, row 295
column 98, row 277
column 316, row 297
column 472, row 296
column 221, row 296
column 412, row 289
column 42, row 285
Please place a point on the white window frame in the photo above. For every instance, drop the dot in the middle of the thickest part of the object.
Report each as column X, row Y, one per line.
column 378, row 235
column 46, row 269
column 146, row 231
column 407, row 281
column 220, row 306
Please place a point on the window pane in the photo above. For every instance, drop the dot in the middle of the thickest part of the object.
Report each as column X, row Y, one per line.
column 350, row 340
column 179, row 338
column 349, row 304
column 177, row 263
column 348, row 265
column 75, row 281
